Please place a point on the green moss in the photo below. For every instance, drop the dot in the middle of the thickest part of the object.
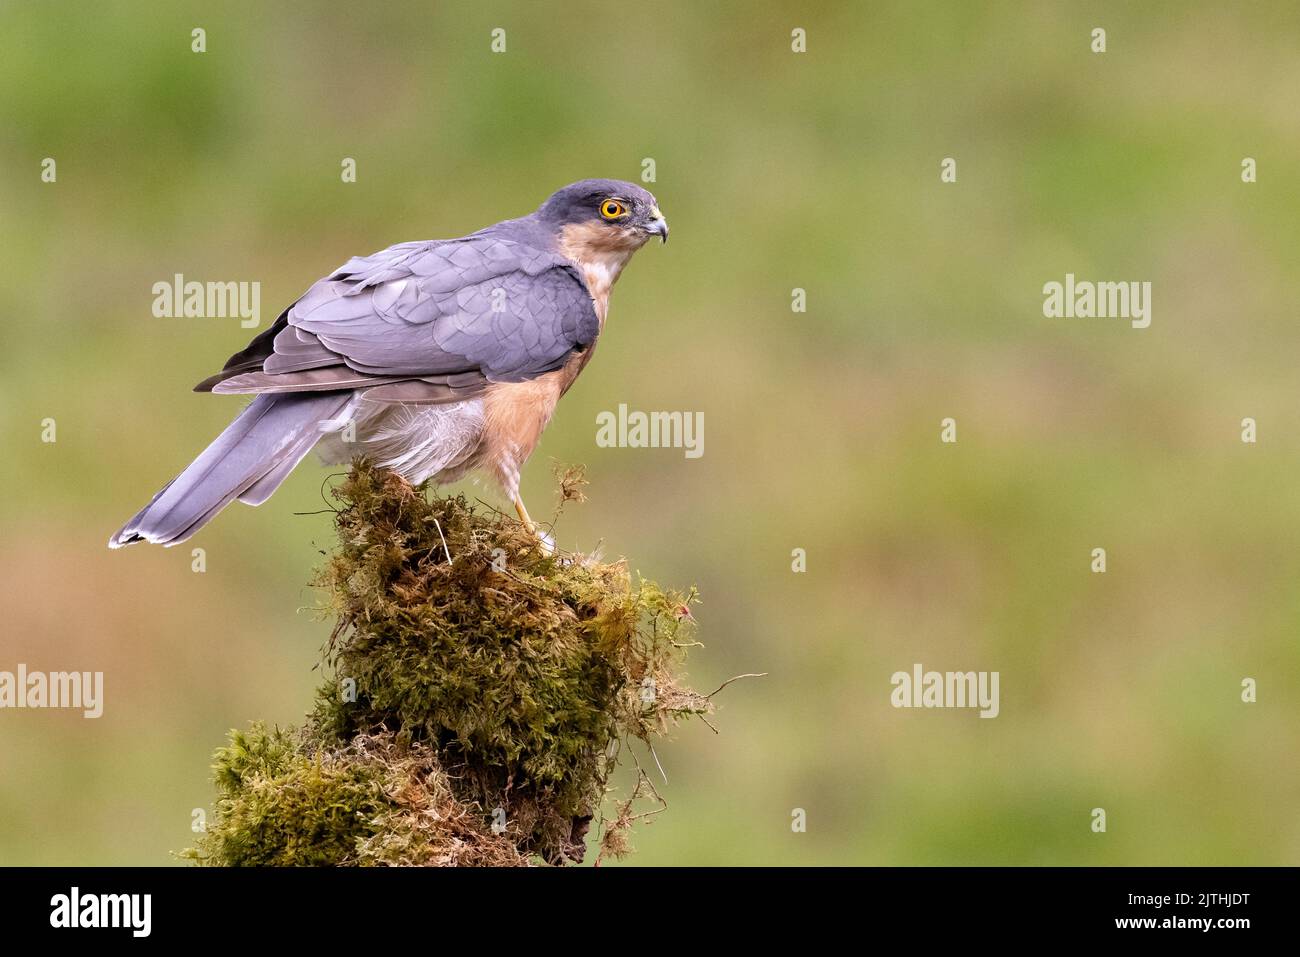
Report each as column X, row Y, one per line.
column 280, row 804
column 285, row 800
column 473, row 676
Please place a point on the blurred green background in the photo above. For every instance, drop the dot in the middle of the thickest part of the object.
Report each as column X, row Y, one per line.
column 776, row 170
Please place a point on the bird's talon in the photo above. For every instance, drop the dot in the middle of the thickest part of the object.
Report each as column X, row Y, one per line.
column 544, row 541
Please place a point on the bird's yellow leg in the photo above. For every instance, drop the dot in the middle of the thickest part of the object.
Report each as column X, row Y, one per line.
column 531, row 526
column 524, row 516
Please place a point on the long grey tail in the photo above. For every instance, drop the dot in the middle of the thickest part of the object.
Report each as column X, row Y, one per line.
column 247, row 461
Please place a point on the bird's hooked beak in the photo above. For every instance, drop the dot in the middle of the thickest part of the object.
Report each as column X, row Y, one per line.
column 657, row 225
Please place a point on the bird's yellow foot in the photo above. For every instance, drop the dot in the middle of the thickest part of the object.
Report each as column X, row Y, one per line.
column 543, row 540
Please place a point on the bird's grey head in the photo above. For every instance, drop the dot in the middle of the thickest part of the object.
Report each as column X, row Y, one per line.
column 605, row 210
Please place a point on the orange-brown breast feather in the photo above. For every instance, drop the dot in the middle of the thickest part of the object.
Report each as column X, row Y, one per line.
column 516, row 413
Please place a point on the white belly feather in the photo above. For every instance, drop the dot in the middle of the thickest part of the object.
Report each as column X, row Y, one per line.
column 416, row 441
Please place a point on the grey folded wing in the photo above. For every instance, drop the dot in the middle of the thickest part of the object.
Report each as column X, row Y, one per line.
column 423, row 322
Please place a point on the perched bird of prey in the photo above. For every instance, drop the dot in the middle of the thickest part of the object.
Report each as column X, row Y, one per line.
column 433, row 358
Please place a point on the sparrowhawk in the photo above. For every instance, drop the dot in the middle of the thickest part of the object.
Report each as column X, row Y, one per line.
column 433, row 358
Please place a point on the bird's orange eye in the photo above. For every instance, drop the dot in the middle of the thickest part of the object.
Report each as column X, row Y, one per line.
column 612, row 209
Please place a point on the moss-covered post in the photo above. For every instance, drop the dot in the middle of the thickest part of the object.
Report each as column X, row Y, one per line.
column 480, row 693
